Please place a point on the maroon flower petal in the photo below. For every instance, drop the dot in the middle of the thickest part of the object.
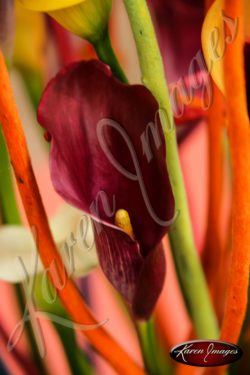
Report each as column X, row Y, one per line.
column 100, row 158
column 138, row 279
column 105, row 157
column 152, row 274
column 120, row 258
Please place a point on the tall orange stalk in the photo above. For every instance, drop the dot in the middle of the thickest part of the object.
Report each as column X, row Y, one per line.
column 67, row 291
column 239, row 139
column 213, row 245
column 213, row 251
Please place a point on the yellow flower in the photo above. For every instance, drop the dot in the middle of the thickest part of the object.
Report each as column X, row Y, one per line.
column 30, row 39
column 218, row 31
column 86, row 18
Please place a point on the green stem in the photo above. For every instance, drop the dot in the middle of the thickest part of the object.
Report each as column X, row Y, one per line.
column 155, row 361
column 191, row 276
column 106, row 54
column 9, row 208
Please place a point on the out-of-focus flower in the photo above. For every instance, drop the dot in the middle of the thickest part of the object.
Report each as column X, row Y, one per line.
column 214, row 49
column 218, row 30
column 6, row 25
column 107, row 155
column 178, row 26
column 86, row 18
column 30, row 40
column 75, row 243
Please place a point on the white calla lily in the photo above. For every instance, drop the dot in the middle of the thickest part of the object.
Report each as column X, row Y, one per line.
column 74, row 237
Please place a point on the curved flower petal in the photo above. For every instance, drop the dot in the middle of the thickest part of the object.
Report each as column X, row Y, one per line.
column 214, row 39
column 18, row 251
column 86, row 18
column 105, row 157
column 139, row 279
column 49, row 5
column 100, row 158
column 120, row 258
column 213, row 54
column 152, row 273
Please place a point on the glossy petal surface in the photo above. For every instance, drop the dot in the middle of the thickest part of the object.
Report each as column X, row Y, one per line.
column 104, row 157
column 48, row 5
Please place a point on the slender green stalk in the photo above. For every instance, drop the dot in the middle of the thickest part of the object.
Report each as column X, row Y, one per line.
column 154, row 358
column 187, row 263
column 9, row 208
column 106, row 54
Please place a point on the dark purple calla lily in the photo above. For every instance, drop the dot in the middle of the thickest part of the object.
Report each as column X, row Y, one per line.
column 108, row 153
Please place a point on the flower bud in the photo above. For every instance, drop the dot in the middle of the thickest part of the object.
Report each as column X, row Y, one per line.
column 85, row 18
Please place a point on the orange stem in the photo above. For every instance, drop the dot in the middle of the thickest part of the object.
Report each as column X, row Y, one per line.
column 213, row 254
column 67, row 291
column 213, row 246
column 239, row 139
column 187, row 370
